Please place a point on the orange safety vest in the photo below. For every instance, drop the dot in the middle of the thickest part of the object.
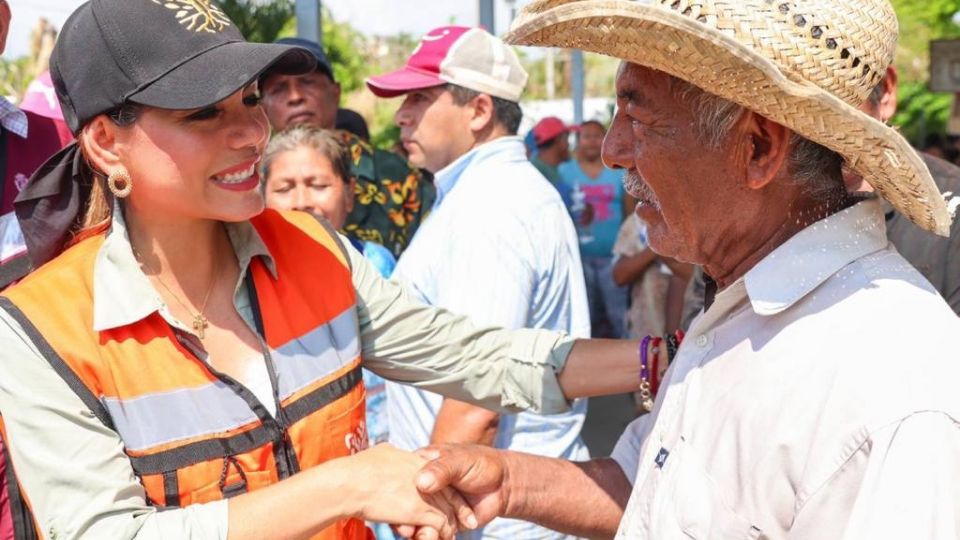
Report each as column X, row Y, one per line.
column 193, row 434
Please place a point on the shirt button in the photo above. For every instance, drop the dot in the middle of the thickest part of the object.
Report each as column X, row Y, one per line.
column 701, row 341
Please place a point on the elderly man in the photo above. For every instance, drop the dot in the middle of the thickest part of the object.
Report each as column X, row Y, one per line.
column 815, row 396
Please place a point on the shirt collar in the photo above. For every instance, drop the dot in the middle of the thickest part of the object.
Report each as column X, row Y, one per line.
column 13, row 119
column 122, row 293
column 813, row 255
column 447, row 177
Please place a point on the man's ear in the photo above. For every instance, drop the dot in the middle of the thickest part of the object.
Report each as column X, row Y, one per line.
column 99, row 142
column 888, row 102
column 336, row 92
column 767, row 146
column 482, row 113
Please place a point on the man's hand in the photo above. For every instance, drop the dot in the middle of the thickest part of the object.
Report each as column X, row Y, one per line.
column 476, row 472
column 384, row 491
column 479, row 473
column 577, row 498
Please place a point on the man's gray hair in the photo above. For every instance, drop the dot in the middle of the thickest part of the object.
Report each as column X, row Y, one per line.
column 877, row 93
column 813, row 166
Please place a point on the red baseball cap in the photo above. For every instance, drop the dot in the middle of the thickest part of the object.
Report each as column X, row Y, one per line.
column 461, row 55
column 550, row 128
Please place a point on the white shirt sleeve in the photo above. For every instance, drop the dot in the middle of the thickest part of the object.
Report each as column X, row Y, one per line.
column 911, row 486
column 627, row 451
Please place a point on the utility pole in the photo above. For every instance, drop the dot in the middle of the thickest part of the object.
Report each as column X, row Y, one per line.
column 576, row 84
column 487, row 18
column 309, row 20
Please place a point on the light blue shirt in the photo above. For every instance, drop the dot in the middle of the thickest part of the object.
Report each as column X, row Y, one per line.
column 605, row 194
column 500, row 248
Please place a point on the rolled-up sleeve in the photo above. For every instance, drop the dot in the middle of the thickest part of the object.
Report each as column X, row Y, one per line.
column 410, row 342
column 72, row 467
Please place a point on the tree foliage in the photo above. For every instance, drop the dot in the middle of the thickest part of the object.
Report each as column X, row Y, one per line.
column 920, row 111
column 257, row 20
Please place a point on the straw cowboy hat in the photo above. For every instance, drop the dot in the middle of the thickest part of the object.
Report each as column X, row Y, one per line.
column 806, row 64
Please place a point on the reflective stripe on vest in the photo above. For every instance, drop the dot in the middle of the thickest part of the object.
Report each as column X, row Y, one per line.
column 193, row 434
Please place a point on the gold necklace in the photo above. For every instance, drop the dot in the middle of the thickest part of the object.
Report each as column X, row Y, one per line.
column 200, row 323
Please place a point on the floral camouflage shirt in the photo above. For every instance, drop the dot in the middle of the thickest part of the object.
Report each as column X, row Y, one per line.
column 392, row 197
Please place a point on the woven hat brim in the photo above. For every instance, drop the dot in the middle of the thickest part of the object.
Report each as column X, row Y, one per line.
column 667, row 41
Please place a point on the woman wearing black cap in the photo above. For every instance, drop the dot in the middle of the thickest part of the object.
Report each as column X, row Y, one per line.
column 177, row 346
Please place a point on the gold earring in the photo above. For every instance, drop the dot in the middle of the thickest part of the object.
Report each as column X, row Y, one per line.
column 120, row 183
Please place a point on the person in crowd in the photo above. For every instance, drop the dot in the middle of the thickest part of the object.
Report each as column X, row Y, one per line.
column 551, row 139
column 936, row 257
column 352, row 121
column 508, row 261
column 799, row 406
column 27, row 139
column 933, row 145
column 308, row 169
column 183, row 363
column 601, row 191
column 392, row 198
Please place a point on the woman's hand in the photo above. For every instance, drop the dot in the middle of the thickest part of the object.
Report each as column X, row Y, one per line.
column 383, row 490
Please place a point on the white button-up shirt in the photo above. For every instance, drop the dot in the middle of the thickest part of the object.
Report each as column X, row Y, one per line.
column 500, row 248
column 816, row 399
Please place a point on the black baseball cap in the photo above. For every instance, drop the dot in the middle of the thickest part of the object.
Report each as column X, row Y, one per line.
column 170, row 54
column 323, row 63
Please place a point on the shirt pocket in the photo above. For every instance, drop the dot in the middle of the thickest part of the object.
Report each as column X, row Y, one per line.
column 700, row 509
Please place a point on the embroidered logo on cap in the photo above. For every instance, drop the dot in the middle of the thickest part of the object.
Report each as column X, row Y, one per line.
column 197, row 15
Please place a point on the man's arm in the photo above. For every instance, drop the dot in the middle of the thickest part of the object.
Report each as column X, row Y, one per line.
column 551, row 492
column 459, row 422
column 630, row 268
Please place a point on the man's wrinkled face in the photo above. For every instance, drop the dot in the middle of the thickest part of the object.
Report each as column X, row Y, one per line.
column 292, row 100
column 687, row 189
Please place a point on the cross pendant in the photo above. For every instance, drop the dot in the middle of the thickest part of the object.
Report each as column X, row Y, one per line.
column 199, row 325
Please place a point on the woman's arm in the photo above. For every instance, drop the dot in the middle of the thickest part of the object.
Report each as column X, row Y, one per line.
column 81, row 484
column 408, row 341
column 630, row 268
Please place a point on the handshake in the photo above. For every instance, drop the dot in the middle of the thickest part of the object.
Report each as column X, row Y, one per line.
column 432, row 493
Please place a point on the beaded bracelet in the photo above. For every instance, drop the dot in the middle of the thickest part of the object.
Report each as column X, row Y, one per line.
column 646, row 395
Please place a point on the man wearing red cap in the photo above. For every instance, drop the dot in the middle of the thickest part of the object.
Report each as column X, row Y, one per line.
column 499, row 246
column 553, row 148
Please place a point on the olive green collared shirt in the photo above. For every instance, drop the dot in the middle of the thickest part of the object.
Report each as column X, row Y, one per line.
column 75, row 471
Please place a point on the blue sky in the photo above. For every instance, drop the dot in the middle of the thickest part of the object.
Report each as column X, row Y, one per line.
column 381, row 17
